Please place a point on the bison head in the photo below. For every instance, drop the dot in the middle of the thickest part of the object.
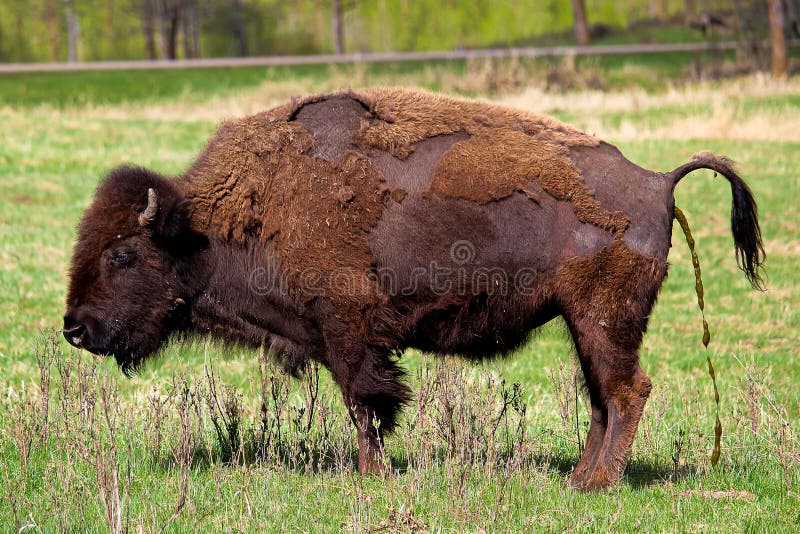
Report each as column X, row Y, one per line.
column 129, row 277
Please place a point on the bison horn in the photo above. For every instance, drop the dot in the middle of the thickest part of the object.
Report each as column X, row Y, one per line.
column 147, row 217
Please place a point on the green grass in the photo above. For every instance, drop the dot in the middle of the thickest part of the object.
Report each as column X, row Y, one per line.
column 65, row 89
column 53, row 152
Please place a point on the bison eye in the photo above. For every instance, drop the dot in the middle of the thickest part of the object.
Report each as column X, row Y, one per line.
column 122, row 258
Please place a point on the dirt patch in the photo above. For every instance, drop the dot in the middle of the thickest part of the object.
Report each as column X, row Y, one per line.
column 21, row 198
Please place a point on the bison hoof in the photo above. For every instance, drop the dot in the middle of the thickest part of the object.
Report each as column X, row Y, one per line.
column 377, row 467
column 595, row 480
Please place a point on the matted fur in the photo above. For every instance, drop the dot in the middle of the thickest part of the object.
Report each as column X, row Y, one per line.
column 406, row 117
column 257, row 178
column 493, row 164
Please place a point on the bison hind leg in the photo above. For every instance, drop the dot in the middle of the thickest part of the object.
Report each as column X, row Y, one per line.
column 606, row 301
column 618, row 389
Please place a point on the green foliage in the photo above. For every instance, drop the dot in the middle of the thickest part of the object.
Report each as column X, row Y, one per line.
column 435, row 25
column 36, row 30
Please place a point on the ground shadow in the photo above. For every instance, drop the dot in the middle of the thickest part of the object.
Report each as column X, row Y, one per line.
column 322, row 457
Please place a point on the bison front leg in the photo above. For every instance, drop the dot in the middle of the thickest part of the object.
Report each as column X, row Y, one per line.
column 618, row 389
column 374, row 394
column 371, row 427
column 369, row 436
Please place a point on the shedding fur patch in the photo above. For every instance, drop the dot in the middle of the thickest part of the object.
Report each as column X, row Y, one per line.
column 263, row 176
column 406, row 117
column 506, row 147
column 492, row 165
column 258, row 177
column 505, row 150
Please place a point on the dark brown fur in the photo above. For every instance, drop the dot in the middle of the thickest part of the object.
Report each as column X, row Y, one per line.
column 345, row 228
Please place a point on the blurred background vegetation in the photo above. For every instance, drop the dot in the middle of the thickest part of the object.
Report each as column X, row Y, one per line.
column 88, row 30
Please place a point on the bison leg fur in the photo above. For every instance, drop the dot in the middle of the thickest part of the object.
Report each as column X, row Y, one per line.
column 594, row 442
column 374, row 394
column 618, row 389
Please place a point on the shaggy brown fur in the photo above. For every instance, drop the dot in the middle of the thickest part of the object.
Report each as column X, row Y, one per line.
column 317, row 211
column 494, row 164
column 503, row 149
column 406, row 117
column 345, row 228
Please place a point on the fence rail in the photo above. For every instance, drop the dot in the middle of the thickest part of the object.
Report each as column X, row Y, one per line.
column 375, row 57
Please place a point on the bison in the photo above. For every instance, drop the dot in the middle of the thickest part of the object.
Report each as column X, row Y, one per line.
column 344, row 228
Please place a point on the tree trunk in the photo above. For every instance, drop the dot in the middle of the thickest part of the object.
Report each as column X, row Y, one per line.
column 172, row 29
column 690, row 11
column 110, row 28
column 168, row 18
column 191, row 40
column 793, row 13
column 73, row 31
column 147, row 28
column 238, row 28
column 777, row 38
column 195, row 33
column 338, row 27
column 581, row 27
column 53, row 29
column 319, row 25
column 656, row 9
column 161, row 14
column 20, row 35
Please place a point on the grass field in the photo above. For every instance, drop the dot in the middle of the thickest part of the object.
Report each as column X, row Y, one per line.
column 69, row 89
column 211, row 439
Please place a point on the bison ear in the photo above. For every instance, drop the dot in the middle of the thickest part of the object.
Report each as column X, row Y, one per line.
column 176, row 232
column 178, row 220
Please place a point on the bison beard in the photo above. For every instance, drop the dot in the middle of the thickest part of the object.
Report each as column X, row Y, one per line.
column 345, row 228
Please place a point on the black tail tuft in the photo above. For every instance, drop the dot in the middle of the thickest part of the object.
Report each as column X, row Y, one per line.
column 747, row 233
column 744, row 214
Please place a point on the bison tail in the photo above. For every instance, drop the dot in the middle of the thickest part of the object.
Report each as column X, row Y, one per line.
column 750, row 254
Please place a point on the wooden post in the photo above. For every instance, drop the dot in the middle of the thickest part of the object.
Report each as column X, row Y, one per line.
column 73, row 31
column 777, row 38
column 338, row 27
column 582, row 36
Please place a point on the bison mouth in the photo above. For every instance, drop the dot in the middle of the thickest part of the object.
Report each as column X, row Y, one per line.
column 84, row 335
column 93, row 338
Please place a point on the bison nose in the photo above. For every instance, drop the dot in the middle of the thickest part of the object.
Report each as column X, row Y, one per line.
column 73, row 331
